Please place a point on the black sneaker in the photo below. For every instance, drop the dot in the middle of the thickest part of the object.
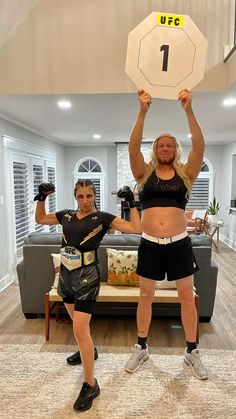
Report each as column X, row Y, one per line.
column 75, row 359
column 86, row 396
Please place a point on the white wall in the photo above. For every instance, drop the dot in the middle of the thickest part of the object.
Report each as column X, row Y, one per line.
column 228, row 233
column 59, row 55
column 11, row 130
column 3, row 230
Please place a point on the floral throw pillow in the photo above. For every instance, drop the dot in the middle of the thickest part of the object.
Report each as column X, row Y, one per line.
column 121, row 267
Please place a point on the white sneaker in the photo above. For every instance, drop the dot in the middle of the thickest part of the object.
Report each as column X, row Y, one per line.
column 193, row 361
column 138, row 357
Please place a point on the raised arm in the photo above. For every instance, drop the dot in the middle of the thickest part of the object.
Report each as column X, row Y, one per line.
column 137, row 163
column 195, row 158
column 41, row 217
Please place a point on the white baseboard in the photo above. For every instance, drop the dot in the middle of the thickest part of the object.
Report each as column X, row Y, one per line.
column 228, row 242
column 5, row 282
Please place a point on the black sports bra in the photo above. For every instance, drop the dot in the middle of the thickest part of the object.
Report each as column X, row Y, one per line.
column 163, row 193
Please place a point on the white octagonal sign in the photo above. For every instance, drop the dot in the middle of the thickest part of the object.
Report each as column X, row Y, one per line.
column 165, row 54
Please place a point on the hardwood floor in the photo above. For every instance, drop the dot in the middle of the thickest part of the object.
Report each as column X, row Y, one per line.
column 121, row 331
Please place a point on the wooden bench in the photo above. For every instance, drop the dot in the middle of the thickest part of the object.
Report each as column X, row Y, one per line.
column 111, row 293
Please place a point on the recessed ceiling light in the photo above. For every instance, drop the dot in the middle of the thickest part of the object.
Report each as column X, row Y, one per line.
column 230, row 101
column 96, row 136
column 64, row 104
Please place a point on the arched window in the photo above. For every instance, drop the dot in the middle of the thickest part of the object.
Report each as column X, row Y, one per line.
column 90, row 168
column 202, row 191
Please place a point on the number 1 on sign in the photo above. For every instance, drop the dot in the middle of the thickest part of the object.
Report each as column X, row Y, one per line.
column 165, row 48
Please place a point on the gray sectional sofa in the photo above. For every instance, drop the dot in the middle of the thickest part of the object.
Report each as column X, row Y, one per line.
column 36, row 274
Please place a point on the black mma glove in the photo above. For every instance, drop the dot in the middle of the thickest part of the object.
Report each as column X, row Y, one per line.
column 126, row 193
column 45, row 189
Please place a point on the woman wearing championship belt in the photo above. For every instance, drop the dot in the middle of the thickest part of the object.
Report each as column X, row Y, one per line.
column 79, row 279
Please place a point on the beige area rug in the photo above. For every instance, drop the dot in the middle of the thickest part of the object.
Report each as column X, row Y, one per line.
column 36, row 383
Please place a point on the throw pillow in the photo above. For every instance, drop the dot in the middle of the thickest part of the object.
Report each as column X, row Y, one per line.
column 121, row 267
column 56, row 258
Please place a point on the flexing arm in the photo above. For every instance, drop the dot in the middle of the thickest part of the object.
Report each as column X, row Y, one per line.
column 134, row 225
column 41, row 217
column 137, row 164
column 195, row 158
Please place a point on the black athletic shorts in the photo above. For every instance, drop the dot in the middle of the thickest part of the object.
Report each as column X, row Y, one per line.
column 176, row 260
column 80, row 287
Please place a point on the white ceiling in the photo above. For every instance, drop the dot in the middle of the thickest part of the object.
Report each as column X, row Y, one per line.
column 113, row 115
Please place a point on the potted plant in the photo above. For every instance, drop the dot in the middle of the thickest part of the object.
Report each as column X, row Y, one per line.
column 213, row 210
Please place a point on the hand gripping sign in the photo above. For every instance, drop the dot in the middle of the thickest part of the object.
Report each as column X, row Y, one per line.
column 165, row 54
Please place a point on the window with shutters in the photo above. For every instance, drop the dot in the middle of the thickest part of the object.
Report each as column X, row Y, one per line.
column 89, row 168
column 26, row 173
column 202, row 190
column 21, row 201
column 38, row 176
column 51, row 200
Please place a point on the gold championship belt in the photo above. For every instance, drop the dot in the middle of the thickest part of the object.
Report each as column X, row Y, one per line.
column 72, row 258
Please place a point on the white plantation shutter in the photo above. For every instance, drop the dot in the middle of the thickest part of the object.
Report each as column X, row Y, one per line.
column 21, row 201
column 97, row 184
column 27, row 172
column 24, row 170
column 200, row 194
column 37, row 179
column 51, row 200
column 202, row 190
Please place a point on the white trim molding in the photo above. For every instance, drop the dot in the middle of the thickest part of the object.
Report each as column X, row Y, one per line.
column 24, row 147
column 5, row 282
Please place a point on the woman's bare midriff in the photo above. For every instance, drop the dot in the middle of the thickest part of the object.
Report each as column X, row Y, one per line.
column 163, row 222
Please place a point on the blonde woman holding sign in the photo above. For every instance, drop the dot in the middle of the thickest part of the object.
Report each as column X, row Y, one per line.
column 165, row 249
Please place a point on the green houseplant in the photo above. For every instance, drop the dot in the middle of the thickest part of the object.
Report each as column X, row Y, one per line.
column 212, row 211
column 214, row 207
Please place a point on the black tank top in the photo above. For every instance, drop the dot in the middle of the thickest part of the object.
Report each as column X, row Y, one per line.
column 163, row 193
